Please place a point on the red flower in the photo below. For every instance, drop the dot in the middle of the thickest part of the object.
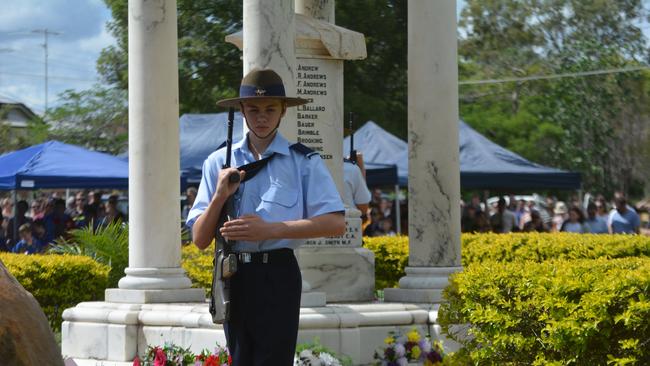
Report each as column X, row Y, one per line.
column 160, row 358
column 229, row 360
column 213, row 360
column 136, row 361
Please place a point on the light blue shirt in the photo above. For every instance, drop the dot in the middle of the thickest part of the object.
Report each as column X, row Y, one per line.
column 291, row 186
column 598, row 225
column 626, row 223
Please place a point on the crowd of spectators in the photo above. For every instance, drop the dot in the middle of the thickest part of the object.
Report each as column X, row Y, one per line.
column 511, row 215
column 380, row 218
column 35, row 225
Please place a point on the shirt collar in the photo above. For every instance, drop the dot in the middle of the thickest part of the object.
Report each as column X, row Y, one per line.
column 279, row 145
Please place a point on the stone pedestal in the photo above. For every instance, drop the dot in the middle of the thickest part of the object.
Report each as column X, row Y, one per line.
column 110, row 334
column 434, row 171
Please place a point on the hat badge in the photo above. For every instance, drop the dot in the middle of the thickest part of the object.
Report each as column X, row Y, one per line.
column 260, row 92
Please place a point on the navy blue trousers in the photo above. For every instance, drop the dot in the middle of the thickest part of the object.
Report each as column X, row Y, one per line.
column 265, row 309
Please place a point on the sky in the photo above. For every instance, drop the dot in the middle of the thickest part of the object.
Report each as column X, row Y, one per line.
column 81, row 35
column 73, row 52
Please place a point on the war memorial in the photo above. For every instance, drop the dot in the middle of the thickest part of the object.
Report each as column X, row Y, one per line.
column 299, row 39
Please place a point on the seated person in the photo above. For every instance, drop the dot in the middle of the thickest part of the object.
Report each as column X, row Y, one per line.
column 27, row 244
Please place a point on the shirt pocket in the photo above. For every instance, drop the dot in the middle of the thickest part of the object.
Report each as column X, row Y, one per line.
column 282, row 196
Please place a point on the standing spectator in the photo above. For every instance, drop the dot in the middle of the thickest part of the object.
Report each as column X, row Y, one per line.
column 601, row 206
column 57, row 222
column 576, row 222
column 190, row 196
column 559, row 216
column 7, row 205
column 79, row 213
column 16, row 222
column 468, row 222
column 27, row 244
column 482, row 222
column 503, row 221
column 356, row 193
column 597, row 224
column 111, row 213
column 535, row 224
column 70, row 205
column 93, row 207
column 37, row 211
column 623, row 219
column 387, row 227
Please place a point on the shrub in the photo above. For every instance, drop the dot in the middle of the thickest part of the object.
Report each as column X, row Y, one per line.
column 58, row 281
column 540, row 247
column 581, row 312
column 391, row 252
column 198, row 265
column 391, row 256
column 107, row 244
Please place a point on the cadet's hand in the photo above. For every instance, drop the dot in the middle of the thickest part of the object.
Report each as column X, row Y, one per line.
column 224, row 187
column 247, row 228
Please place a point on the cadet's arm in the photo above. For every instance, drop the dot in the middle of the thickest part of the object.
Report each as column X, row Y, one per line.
column 203, row 229
column 253, row 228
column 331, row 224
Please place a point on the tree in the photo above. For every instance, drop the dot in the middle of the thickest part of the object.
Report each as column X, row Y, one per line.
column 209, row 68
column 13, row 139
column 577, row 119
column 96, row 119
column 376, row 88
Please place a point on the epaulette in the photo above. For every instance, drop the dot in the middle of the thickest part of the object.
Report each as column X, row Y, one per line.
column 298, row 147
column 222, row 145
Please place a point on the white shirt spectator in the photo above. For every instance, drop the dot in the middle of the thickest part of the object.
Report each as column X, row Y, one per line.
column 356, row 190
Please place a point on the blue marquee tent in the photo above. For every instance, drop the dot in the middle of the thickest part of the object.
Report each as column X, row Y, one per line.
column 200, row 135
column 54, row 164
column 483, row 164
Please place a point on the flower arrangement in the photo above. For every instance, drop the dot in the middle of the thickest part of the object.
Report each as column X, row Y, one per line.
column 315, row 354
column 172, row 355
column 410, row 347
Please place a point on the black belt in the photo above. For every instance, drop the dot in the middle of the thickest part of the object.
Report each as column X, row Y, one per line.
column 278, row 256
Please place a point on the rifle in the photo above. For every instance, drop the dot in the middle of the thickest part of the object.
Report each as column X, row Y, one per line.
column 353, row 152
column 225, row 260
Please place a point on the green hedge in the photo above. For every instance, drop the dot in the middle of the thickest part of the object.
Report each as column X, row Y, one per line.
column 539, row 247
column 198, row 265
column 564, row 312
column 58, row 281
column 391, row 252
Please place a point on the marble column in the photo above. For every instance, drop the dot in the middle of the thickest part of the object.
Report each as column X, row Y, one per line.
column 434, row 171
column 268, row 37
column 154, row 273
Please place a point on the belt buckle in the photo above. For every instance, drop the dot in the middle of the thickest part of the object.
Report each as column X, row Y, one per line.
column 245, row 257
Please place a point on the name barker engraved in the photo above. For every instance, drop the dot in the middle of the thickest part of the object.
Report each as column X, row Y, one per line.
column 312, row 84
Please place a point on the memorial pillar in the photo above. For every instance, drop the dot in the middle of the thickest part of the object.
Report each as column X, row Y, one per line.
column 154, row 273
column 434, row 170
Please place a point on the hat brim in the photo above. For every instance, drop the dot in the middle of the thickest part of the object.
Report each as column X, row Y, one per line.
column 235, row 102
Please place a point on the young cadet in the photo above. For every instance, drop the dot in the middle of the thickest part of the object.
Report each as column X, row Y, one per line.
column 293, row 197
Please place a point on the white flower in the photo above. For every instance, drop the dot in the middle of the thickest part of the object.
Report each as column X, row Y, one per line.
column 402, row 361
column 399, row 350
column 307, row 358
column 425, row 346
column 328, row 360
